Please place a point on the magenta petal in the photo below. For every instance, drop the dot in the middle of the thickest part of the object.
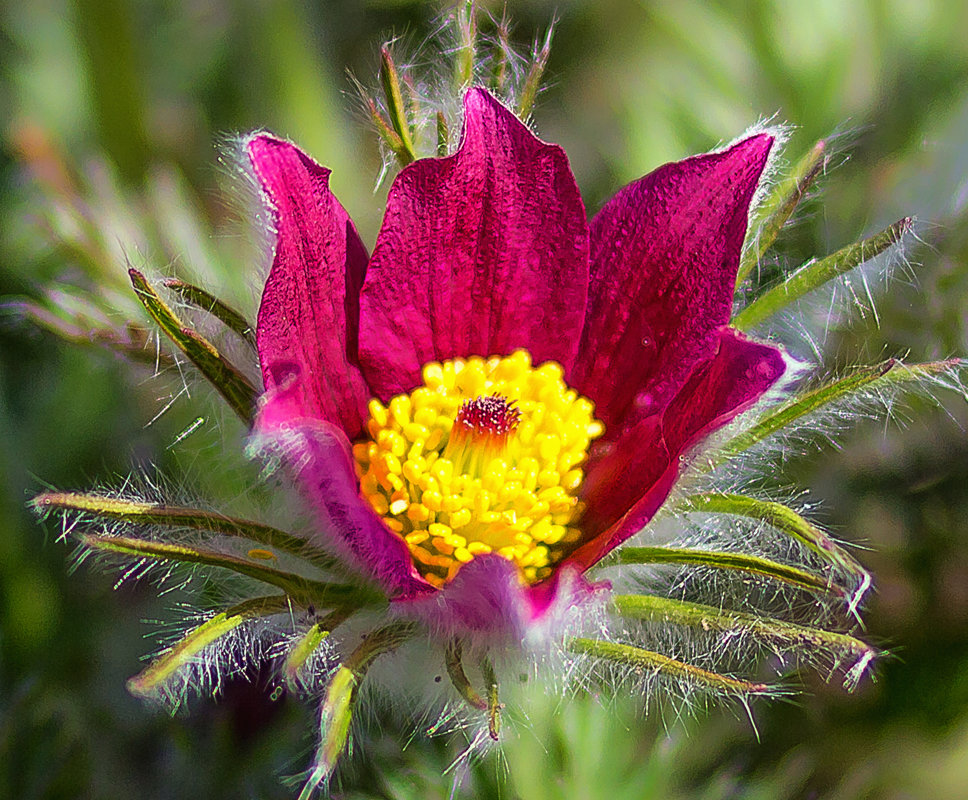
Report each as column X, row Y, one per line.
column 664, row 256
column 628, row 484
column 486, row 602
column 310, row 304
column 319, row 455
column 480, row 253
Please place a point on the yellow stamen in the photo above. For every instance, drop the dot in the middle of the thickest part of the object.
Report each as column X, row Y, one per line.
column 485, row 457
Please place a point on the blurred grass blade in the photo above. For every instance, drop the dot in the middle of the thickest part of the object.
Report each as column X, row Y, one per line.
column 815, row 274
column 780, row 205
column 336, row 712
column 303, row 650
column 890, row 372
column 740, row 562
column 393, row 96
column 138, row 513
column 131, row 341
column 789, row 522
column 775, row 632
column 325, row 595
column 231, row 384
column 532, row 83
column 453, row 655
column 163, row 667
column 206, row 301
column 646, row 661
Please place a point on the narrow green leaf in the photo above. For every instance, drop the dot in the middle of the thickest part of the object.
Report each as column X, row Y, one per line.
column 789, row 522
column 443, row 135
column 307, row 644
column 163, row 667
column 891, row 372
column 336, row 713
column 740, row 562
column 493, row 703
column 780, row 205
column 814, row 274
column 206, row 301
column 325, row 595
column 231, row 384
column 532, row 83
column 453, row 655
column 139, row 513
column 766, row 629
column 647, row 661
column 389, row 136
column 501, row 55
column 301, row 652
column 466, row 18
column 393, row 96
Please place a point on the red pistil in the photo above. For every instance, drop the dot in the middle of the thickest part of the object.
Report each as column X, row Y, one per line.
column 486, row 422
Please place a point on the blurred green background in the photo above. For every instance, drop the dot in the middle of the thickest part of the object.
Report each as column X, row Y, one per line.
column 111, row 111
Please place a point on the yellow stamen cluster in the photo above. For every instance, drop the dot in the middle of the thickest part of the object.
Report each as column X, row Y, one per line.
column 504, row 481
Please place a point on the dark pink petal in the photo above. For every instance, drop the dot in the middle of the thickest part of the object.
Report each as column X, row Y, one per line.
column 318, row 453
column 487, row 603
column 628, row 483
column 664, row 256
column 480, row 253
column 310, row 305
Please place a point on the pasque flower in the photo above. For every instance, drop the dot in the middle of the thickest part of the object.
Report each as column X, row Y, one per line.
column 502, row 392
column 480, row 413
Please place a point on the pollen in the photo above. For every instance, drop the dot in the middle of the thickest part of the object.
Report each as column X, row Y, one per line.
column 485, row 457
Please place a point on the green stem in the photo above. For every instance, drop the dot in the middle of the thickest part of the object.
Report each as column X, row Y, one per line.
column 467, row 48
column 712, row 619
column 891, row 372
column 787, row 521
column 499, row 77
column 336, row 713
column 206, row 301
column 395, row 106
column 814, row 274
column 780, row 206
column 163, row 667
column 532, row 83
column 138, row 513
column 443, row 135
column 647, row 661
column 453, row 655
column 305, row 590
column 307, row 644
column 493, row 703
column 238, row 392
column 740, row 562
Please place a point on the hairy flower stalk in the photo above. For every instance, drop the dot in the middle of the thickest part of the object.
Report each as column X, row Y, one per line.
column 483, row 411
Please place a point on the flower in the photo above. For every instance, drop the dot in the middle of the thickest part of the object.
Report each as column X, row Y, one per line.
column 503, row 392
column 482, row 411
